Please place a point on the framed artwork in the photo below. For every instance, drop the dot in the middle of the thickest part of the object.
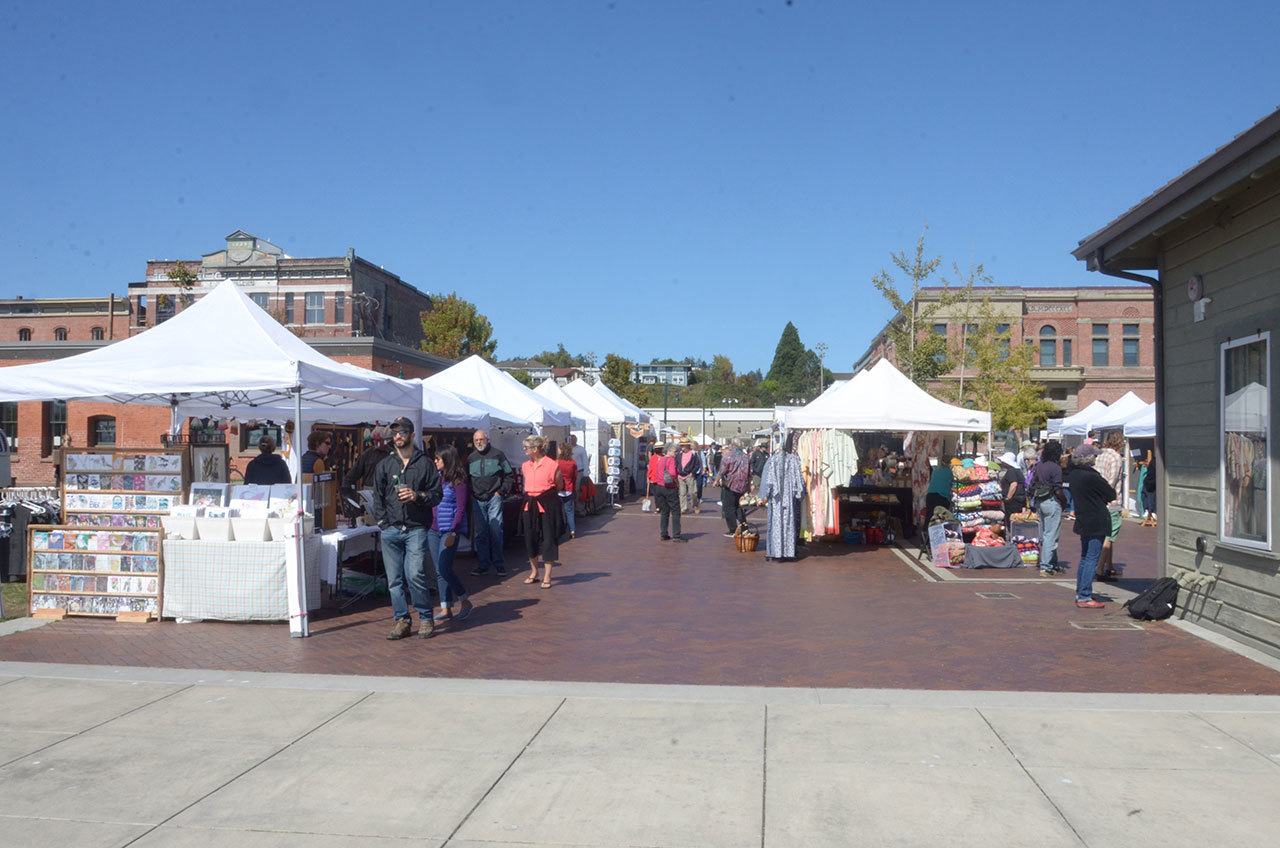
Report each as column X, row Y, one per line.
column 208, row 494
column 209, row 464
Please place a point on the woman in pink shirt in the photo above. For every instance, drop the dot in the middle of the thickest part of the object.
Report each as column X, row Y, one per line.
column 541, row 516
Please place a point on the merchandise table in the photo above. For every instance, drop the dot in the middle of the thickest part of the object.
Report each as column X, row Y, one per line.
column 338, row 546
column 902, row 509
column 234, row 581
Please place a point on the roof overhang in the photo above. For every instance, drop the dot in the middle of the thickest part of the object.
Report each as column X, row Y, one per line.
column 1131, row 241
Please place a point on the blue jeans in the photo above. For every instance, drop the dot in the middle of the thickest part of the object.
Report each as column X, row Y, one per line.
column 1050, row 512
column 569, row 517
column 486, row 522
column 404, row 556
column 447, row 582
column 1090, row 550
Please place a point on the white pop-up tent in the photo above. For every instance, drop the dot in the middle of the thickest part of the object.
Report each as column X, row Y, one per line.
column 882, row 398
column 1247, row 410
column 618, row 400
column 1080, row 423
column 1142, row 425
column 594, row 433
column 220, row 354
column 475, row 379
column 1115, row 415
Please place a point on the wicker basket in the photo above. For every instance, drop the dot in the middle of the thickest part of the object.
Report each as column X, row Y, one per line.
column 746, row 539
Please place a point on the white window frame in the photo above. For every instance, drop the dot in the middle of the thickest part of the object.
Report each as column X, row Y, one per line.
column 1222, row 442
column 307, row 308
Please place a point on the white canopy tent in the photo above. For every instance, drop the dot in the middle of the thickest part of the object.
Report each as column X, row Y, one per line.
column 1115, row 415
column 606, row 403
column 1142, row 425
column 1247, row 410
column 882, row 398
column 593, row 435
column 221, row 354
column 1079, row 424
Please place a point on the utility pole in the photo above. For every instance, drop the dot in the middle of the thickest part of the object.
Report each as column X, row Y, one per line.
column 821, row 348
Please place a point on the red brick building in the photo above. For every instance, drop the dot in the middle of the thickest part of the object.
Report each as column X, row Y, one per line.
column 1090, row 342
column 344, row 306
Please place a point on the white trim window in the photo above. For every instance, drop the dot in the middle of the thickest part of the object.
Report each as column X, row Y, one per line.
column 315, row 308
column 1244, row 513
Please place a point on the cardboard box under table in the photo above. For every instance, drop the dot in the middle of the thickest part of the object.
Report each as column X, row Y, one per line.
column 234, row 581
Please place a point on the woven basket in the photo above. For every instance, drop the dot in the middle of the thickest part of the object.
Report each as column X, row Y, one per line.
column 746, row 539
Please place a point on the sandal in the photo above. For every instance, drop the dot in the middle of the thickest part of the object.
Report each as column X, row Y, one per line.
column 530, row 580
column 546, row 584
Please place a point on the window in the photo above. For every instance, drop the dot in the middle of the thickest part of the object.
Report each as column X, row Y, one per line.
column 1244, row 516
column 60, row 334
column 1002, row 331
column 142, row 311
column 102, row 430
column 164, row 307
column 97, row 334
column 288, row 308
column 340, row 307
column 1101, row 345
column 315, row 307
column 24, row 335
column 262, row 299
column 1066, row 353
column 9, row 420
column 1048, row 347
column 54, row 413
column 940, row 329
column 1130, row 345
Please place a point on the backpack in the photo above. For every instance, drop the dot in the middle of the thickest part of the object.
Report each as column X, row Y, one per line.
column 1156, row 603
column 669, row 478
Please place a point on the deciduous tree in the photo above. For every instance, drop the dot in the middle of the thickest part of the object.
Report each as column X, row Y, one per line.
column 454, row 328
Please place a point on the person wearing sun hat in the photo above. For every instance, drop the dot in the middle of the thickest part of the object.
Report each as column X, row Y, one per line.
column 1093, row 520
column 1013, row 489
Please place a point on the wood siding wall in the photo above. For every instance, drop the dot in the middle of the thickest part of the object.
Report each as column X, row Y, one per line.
column 1235, row 247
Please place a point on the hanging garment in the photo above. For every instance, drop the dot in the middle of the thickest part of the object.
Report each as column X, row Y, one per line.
column 783, row 487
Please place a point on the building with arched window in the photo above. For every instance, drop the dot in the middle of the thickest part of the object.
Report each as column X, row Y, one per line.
column 1113, row 325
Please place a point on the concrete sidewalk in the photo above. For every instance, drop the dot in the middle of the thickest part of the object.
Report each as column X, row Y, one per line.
column 103, row 756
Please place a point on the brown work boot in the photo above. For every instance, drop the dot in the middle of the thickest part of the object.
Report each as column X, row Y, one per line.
column 426, row 627
column 400, row 629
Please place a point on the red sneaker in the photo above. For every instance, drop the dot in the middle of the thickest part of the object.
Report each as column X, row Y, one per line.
column 1090, row 604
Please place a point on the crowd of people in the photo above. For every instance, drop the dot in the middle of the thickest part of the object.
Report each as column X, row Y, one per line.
column 426, row 501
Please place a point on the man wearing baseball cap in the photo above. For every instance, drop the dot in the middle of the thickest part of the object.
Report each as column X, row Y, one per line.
column 406, row 486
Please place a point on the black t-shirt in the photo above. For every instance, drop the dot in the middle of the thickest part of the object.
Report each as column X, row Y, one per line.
column 1019, row 500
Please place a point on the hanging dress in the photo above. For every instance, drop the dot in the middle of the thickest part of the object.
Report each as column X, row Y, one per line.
column 783, row 487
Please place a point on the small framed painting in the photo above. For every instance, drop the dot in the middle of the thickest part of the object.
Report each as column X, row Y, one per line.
column 208, row 494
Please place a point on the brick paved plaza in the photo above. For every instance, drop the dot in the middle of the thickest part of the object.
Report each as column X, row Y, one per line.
column 626, row 608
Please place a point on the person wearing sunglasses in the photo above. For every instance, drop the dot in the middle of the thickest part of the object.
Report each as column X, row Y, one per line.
column 319, row 443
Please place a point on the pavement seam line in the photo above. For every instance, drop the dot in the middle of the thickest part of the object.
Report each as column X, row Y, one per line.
column 1032, row 778
column 764, row 780
column 499, row 778
column 99, row 724
column 11, row 680
column 902, row 555
column 264, row 760
column 1232, row 736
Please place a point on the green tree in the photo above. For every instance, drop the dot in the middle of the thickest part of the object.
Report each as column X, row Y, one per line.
column 995, row 372
column 616, row 373
column 185, row 279
column 790, row 361
column 454, row 329
column 721, row 371
column 916, row 349
column 522, row 376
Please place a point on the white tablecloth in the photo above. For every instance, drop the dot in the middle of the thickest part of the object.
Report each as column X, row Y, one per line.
column 233, row 581
column 349, row 542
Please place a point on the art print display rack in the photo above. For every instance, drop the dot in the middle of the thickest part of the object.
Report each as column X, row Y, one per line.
column 106, row 559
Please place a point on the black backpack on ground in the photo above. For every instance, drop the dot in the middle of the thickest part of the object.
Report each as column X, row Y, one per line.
column 1156, row 603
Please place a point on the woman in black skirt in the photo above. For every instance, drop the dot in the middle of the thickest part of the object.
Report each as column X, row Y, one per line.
column 541, row 516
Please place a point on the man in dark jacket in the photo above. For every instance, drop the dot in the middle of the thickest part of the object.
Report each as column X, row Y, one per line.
column 406, row 486
column 688, row 467
column 268, row 467
column 1093, row 519
column 491, row 478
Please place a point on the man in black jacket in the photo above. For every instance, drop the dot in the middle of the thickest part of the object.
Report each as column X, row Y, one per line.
column 268, row 467
column 406, row 486
column 1093, row 519
column 490, row 476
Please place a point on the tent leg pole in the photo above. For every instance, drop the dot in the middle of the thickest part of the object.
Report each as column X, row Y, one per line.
column 296, row 564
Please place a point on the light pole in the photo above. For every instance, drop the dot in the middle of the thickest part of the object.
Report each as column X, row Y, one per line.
column 729, row 402
column 821, row 348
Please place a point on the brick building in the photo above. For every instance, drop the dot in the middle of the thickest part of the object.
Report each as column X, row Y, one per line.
column 1090, row 342
column 346, row 307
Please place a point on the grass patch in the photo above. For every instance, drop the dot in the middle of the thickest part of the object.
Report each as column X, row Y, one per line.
column 15, row 599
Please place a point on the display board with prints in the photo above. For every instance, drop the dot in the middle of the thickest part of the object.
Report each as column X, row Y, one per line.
column 613, row 464
column 106, row 560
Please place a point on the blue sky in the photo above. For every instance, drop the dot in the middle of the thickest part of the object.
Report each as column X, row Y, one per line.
column 656, row 179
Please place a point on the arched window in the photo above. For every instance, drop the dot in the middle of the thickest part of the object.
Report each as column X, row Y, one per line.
column 60, row 334
column 97, row 334
column 1048, row 346
column 24, row 335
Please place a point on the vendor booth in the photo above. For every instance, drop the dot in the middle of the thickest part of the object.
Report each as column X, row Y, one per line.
column 594, row 433
column 629, row 423
column 879, row 488
column 220, row 354
column 1078, row 424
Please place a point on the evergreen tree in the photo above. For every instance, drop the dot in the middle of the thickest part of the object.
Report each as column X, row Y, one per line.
column 790, row 363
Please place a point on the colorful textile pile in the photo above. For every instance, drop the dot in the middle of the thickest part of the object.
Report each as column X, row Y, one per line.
column 1028, row 550
column 988, row 537
column 955, row 553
